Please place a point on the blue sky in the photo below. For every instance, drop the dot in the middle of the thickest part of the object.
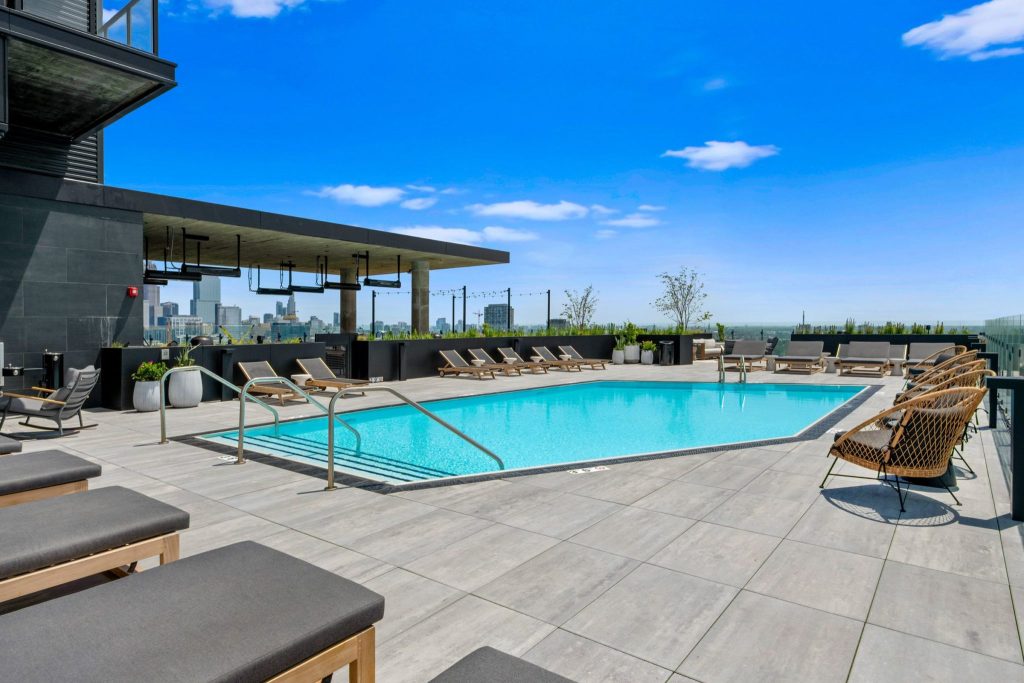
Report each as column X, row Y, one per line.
column 844, row 160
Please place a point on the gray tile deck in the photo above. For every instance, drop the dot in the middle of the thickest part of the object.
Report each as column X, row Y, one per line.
column 724, row 566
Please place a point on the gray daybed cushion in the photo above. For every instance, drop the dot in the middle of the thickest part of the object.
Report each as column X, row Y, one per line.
column 804, row 350
column 31, row 471
column 9, row 445
column 243, row 612
column 748, row 348
column 488, row 665
column 56, row 530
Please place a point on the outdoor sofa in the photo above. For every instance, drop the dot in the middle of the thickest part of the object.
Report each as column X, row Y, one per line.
column 507, row 352
column 746, row 354
column 52, row 405
column 456, row 365
column 865, row 357
column 707, row 349
column 51, row 542
column 25, row 477
column 487, row 665
column 592, row 363
column 322, row 377
column 243, row 612
column 553, row 361
column 802, row 356
column 261, row 370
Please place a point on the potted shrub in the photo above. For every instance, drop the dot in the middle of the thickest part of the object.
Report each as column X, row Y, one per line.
column 647, row 352
column 619, row 351
column 185, row 389
column 632, row 348
column 146, row 396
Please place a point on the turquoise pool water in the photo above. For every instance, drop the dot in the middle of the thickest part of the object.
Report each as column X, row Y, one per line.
column 550, row 426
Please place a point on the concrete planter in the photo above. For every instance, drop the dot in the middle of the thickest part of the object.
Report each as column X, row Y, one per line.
column 146, row 396
column 185, row 389
column 618, row 356
column 647, row 357
column 632, row 353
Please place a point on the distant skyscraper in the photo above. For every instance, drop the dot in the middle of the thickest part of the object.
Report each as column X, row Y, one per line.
column 279, row 309
column 268, row 318
column 151, row 304
column 442, row 325
column 498, row 317
column 292, row 312
column 230, row 315
column 559, row 323
column 205, row 299
column 337, row 319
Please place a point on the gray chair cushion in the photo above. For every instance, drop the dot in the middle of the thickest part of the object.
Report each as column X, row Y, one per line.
column 30, row 471
column 239, row 613
column 27, row 406
column 71, row 374
column 488, row 665
column 47, row 532
column 9, row 445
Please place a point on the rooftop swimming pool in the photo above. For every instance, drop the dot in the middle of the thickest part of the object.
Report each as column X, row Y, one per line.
column 551, row 426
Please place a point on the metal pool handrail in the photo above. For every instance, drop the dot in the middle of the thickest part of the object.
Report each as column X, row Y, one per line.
column 403, row 398
column 240, row 458
column 721, row 370
column 214, row 376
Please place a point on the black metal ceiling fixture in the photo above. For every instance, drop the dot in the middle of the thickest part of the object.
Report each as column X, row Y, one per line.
column 198, row 267
column 305, row 289
column 260, row 289
column 341, row 284
column 392, row 284
column 154, row 276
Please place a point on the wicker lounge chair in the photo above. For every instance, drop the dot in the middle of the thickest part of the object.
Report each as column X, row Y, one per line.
column 866, row 357
column 45, row 474
column 925, row 353
column 942, row 361
column 261, row 369
column 919, row 445
column 967, row 375
column 802, row 356
column 553, row 361
column 322, row 377
column 746, row 354
column 243, row 612
column 508, row 368
column 456, row 365
column 487, row 665
column 592, row 363
column 55, row 406
column 508, row 352
column 50, row 542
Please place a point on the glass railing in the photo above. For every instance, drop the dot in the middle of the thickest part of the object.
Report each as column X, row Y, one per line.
column 134, row 24
column 1005, row 336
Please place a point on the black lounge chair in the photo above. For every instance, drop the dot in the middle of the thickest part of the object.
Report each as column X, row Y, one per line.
column 57, row 406
column 52, row 542
column 243, row 612
column 487, row 665
column 746, row 354
column 9, row 445
column 802, row 356
column 47, row 474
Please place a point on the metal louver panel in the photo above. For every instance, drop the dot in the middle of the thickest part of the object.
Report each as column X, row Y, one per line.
column 74, row 13
column 53, row 156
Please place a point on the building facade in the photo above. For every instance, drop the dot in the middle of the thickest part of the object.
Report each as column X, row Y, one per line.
column 499, row 316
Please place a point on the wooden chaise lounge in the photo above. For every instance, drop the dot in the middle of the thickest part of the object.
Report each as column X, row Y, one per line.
column 746, row 354
column 802, row 356
column 456, row 365
column 51, row 542
column 322, row 377
column 261, row 369
column 243, row 612
column 592, row 363
column 508, row 368
column 508, row 352
column 865, row 357
column 553, row 361
column 487, row 665
column 26, row 477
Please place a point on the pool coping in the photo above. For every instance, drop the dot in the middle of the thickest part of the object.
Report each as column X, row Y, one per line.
column 815, row 430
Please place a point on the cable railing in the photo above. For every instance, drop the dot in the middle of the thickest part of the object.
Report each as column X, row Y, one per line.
column 214, row 376
column 404, row 399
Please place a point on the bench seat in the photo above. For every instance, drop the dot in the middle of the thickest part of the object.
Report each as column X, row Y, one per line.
column 44, row 474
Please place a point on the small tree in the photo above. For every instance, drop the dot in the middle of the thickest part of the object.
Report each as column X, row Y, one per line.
column 578, row 310
column 684, row 296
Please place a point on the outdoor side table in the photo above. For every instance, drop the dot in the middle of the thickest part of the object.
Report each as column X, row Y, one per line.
column 831, row 364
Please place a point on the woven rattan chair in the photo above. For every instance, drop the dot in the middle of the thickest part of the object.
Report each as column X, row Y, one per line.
column 935, row 358
column 919, row 445
column 967, row 375
column 929, row 375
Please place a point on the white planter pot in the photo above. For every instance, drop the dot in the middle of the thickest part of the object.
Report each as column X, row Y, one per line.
column 146, row 397
column 618, row 356
column 632, row 353
column 647, row 357
column 184, row 389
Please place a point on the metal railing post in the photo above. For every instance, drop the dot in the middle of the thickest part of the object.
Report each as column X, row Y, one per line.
column 214, row 376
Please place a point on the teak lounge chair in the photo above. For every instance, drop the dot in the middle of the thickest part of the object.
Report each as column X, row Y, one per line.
column 508, row 368
column 56, row 406
column 26, row 477
column 51, row 542
column 544, row 353
column 261, row 369
column 592, row 363
column 243, row 612
column 802, row 356
column 920, row 444
column 507, row 352
column 456, row 365
column 746, row 354
column 865, row 357
column 322, row 377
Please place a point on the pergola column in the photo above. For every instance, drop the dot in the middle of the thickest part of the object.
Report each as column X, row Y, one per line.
column 348, row 302
column 420, row 313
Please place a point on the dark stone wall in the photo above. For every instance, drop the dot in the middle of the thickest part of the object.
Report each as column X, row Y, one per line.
column 64, row 274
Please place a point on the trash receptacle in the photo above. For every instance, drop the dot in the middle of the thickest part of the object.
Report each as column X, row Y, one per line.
column 667, row 349
column 53, row 369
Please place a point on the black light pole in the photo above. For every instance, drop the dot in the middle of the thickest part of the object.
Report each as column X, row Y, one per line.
column 373, row 314
column 453, row 313
column 508, row 308
column 463, row 308
column 549, row 309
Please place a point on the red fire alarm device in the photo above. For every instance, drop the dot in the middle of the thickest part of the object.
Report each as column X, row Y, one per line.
column 133, row 292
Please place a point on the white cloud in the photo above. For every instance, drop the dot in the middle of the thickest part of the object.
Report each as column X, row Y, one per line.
column 419, row 203
column 531, row 210
column 974, row 32
column 714, row 155
column 605, row 234
column 361, row 195
column 650, row 207
column 452, row 190
column 422, row 188
column 715, row 84
column 603, row 210
column 249, row 9
column 496, row 233
column 633, row 220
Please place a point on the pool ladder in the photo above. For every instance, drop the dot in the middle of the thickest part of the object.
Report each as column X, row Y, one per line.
column 721, row 370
